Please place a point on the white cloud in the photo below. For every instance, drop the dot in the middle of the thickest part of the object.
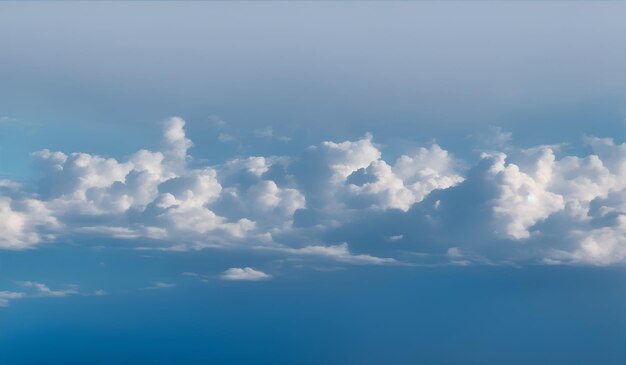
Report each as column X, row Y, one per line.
column 408, row 182
column 160, row 285
column 156, row 195
column 25, row 223
column 6, row 296
column 523, row 198
column 244, row 274
column 176, row 145
column 565, row 209
column 44, row 291
column 340, row 253
column 394, row 238
column 9, row 185
column 35, row 289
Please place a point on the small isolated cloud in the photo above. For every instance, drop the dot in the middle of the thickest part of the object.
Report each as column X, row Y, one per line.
column 268, row 133
column 494, row 137
column 217, row 121
column 454, row 252
column 227, row 138
column 244, row 274
column 160, row 285
column 397, row 237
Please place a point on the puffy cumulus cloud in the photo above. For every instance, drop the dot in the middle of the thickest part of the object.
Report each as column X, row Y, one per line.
column 25, row 223
column 523, row 197
column 176, row 145
column 268, row 198
column 405, row 183
column 254, row 165
column 255, row 191
column 151, row 194
column 85, row 184
column 92, row 185
column 600, row 246
column 527, row 206
column 560, row 210
column 567, row 189
column 156, row 195
column 377, row 186
column 321, row 169
column 195, row 189
column 244, row 274
column 532, row 204
column 342, row 180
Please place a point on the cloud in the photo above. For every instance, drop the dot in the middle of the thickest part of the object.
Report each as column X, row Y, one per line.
column 397, row 237
column 25, row 223
column 409, row 181
column 35, row 289
column 228, row 138
column 6, row 296
column 526, row 205
column 339, row 253
column 523, row 197
column 268, row 133
column 43, row 291
column 7, row 120
column 160, row 285
column 244, row 274
column 201, row 277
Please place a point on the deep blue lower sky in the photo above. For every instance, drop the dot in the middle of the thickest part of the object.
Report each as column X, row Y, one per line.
column 364, row 315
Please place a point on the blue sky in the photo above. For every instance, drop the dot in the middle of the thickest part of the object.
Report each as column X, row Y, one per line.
column 312, row 182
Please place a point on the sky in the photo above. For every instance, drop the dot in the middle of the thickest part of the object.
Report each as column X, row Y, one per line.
column 312, row 182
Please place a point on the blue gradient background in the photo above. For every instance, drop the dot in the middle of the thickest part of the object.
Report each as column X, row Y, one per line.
column 366, row 315
column 98, row 77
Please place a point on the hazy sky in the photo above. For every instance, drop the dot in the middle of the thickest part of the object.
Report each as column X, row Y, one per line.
column 405, row 71
column 312, row 182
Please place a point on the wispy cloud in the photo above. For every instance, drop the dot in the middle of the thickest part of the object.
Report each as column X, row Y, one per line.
column 268, row 133
column 6, row 296
column 201, row 277
column 44, row 291
column 339, row 253
column 160, row 285
column 7, row 120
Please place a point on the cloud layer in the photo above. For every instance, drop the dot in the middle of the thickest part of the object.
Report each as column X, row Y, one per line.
column 333, row 198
